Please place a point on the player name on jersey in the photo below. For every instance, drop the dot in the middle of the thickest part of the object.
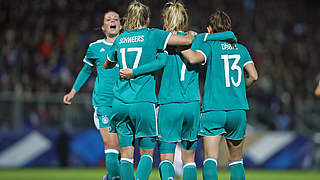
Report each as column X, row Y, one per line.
column 131, row 39
column 226, row 46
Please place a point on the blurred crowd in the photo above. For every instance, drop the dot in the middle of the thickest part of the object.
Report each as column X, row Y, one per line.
column 43, row 42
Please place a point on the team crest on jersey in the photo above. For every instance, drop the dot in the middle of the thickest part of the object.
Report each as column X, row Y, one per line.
column 102, row 50
column 105, row 119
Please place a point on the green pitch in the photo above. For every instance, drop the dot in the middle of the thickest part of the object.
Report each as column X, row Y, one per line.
column 97, row 173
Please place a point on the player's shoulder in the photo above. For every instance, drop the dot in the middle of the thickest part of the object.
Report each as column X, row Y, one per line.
column 241, row 47
column 99, row 42
column 156, row 31
column 201, row 36
column 153, row 30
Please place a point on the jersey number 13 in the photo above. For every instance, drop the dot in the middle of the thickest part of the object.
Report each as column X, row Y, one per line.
column 234, row 66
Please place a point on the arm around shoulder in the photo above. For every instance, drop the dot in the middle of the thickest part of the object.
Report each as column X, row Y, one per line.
column 179, row 40
column 193, row 57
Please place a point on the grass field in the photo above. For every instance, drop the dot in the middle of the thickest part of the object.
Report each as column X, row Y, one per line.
column 97, row 173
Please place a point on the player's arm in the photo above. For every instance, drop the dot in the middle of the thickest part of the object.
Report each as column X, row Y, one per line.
column 108, row 64
column 82, row 77
column 199, row 50
column 252, row 75
column 193, row 57
column 152, row 66
column 317, row 90
column 179, row 40
column 111, row 59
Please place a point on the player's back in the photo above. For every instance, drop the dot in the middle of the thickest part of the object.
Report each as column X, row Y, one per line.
column 179, row 81
column 225, row 84
column 135, row 48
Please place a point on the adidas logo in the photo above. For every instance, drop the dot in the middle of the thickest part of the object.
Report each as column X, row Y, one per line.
column 102, row 50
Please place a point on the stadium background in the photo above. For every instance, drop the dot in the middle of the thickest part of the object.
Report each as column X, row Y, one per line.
column 43, row 42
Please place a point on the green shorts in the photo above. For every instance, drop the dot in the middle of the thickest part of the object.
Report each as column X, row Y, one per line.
column 138, row 119
column 179, row 121
column 232, row 124
column 101, row 116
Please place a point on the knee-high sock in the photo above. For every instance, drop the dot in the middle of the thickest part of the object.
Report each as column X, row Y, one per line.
column 144, row 167
column 190, row 171
column 210, row 169
column 126, row 169
column 237, row 170
column 112, row 163
column 166, row 170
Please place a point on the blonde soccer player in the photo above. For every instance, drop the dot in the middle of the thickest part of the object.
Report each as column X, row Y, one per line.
column 179, row 109
column 133, row 108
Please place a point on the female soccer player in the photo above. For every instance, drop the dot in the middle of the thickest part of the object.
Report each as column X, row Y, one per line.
column 102, row 94
column 179, row 109
column 224, row 103
column 133, row 109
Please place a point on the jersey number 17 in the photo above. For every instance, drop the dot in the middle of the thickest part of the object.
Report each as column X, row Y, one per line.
column 136, row 61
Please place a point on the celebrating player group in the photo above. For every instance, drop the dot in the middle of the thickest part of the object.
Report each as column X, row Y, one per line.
column 128, row 109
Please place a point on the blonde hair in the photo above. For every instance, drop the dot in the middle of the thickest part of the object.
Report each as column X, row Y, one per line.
column 137, row 16
column 175, row 17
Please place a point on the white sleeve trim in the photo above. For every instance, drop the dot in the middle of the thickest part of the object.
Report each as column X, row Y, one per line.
column 89, row 63
column 166, row 42
column 247, row 63
column 205, row 37
column 204, row 55
column 110, row 59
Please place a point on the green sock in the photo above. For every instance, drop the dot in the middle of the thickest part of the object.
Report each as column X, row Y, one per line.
column 210, row 169
column 126, row 169
column 144, row 167
column 112, row 163
column 190, row 171
column 237, row 170
column 166, row 170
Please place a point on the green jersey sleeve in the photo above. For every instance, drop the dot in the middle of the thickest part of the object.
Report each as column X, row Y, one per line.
column 221, row 36
column 162, row 38
column 198, row 40
column 82, row 77
column 112, row 56
column 159, row 63
column 91, row 56
column 246, row 57
column 203, row 47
